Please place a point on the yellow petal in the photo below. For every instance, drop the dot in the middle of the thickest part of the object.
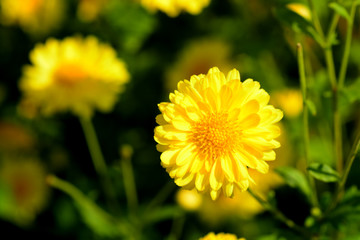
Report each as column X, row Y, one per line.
column 214, row 194
column 185, row 155
column 233, row 75
column 216, row 177
column 168, row 158
column 226, row 165
column 250, row 121
column 181, row 182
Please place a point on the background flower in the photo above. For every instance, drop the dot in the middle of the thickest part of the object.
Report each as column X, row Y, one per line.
column 88, row 10
column 198, row 57
column 214, row 128
column 75, row 74
column 220, row 236
column 37, row 17
column 23, row 190
column 173, row 7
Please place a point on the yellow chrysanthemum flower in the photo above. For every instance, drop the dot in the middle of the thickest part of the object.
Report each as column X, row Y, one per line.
column 23, row 189
column 174, row 7
column 214, row 129
column 76, row 74
column 198, row 57
column 220, row 236
column 34, row 16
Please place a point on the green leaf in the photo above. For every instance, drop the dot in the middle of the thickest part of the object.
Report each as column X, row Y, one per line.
column 340, row 10
column 350, row 2
column 295, row 178
column 99, row 221
column 323, row 172
column 348, row 210
column 162, row 213
column 310, row 104
column 352, row 92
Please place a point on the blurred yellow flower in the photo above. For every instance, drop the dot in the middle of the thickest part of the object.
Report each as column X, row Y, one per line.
column 24, row 192
column 88, row 10
column 34, row 16
column 300, row 9
column 75, row 74
column 214, row 129
column 174, row 7
column 189, row 200
column 198, row 57
column 220, row 236
column 288, row 100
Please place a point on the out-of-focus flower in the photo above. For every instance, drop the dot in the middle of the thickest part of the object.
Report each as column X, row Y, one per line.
column 15, row 138
column 174, row 7
column 220, row 236
column 34, row 16
column 300, row 9
column 190, row 200
column 214, row 129
column 75, row 74
column 288, row 100
column 24, row 192
column 88, row 10
column 198, row 57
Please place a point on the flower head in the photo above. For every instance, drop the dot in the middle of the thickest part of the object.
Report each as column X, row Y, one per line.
column 76, row 74
column 34, row 16
column 23, row 188
column 220, row 236
column 173, row 7
column 213, row 129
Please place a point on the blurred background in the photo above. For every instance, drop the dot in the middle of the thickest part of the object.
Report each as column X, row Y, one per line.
column 159, row 48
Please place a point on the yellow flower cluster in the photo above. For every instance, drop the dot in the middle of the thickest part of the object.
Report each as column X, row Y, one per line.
column 76, row 74
column 34, row 16
column 220, row 236
column 174, row 7
column 213, row 129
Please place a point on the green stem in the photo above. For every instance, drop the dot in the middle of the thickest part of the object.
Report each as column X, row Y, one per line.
column 279, row 215
column 341, row 186
column 345, row 58
column 332, row 28
column 129, row 180
column 161, row 196
column 315, row 19
column 342, row 75
column 98, row 161
column 177, row 227
column 306, row 136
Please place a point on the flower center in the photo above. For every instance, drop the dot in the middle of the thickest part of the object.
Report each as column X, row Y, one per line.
column 69, row 74
column 215, row 135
